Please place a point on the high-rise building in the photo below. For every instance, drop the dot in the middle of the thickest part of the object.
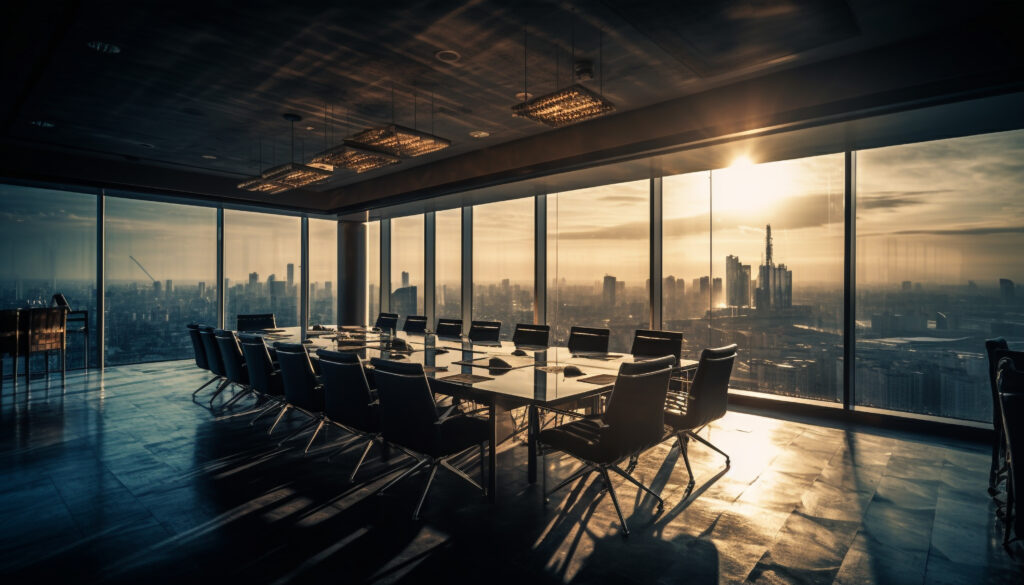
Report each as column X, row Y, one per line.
column 608, row 292
column 774, row 283
column 704, row 286
column 202, row 289
column 716, row 290
column 291, row 275
column 737, row 282
column 403, row 300
column 405, row 279
column 168, row 287
column 254, row 278
column 1006, row 290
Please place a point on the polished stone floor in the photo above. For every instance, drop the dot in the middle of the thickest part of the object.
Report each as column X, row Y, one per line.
column 119, row 477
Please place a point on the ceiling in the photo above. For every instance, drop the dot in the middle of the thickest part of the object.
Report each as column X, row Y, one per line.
column 192, row 101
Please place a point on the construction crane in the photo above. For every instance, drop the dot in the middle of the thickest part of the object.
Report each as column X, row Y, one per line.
column 142, row 267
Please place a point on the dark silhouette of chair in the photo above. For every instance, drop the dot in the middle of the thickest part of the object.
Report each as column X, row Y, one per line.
column 256, row 322
column 415, row 324
column 588, row 340
column 213, row 359
column 387, row 322
column 449, row 328
column 997, row 349
column 652, row 343
column 264, row 378
column 706, row 400
column 1010, row 382
column 42, row 331
column 9, row 341
column 303, row 392
column 485, row 331
column 632, row 423
column 411, row 421
column 200, row 355
column 348, row 401
column 76, row 322
column 531, row 335
column 234, row 364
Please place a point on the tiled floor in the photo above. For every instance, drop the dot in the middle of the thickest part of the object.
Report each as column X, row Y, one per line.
column 119, row 477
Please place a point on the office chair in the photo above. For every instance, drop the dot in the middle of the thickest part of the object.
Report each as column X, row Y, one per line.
column 387, row 322
column 449, row 328
column 234, row 365
column 303, row 392
column 264, row 377
column 588, row 340
column 632, row 423
column 256, row 322
column 349, row 403
column 1011, row 397
column 213, row 359
column 652, row 343
column 199, row 353
column 415, row 324
column 485, row 331
column 531, row 335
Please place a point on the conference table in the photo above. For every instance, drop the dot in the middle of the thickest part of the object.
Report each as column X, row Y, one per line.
column 496, row 375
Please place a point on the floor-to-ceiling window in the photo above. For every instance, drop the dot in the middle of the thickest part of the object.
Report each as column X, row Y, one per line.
column 686, row 259
column 448, row 263
column 598, row 268
column 261, row 266
column 407, row 266
column 503, row 263
column 323, row 271
column 49, row 242
column 940, row 229
column 777, row 274
column 372, row 270
column 160, row 268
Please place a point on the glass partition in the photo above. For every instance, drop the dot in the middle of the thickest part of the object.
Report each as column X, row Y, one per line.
column 160, row 268
column 598, row 269
column 503, row 263
column 261, row 253
column 323, row 271
column 407, row 266
column 448, row 264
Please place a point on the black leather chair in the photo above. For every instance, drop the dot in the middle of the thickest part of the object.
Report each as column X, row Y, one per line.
column 531, row 335
column 416, row 324
column 200, row 355
column 632, row 423
column 653, row 343
column 303, row 391
column 76, row 322
column 9, row 341
column 348, row 400
column 997, row 349
column 213, row 359
column 234, row 365
column 264, row 377
column 387, row 322
column 411, row 421
column 449, row 328
column 256, row 322
column 588, row 339
column 1010, row 382
column 42, row 331
column 706, row 400
column 485, row 331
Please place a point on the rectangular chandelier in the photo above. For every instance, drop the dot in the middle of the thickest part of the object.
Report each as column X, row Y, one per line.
column 355, row 157
column 564, row 107
column 261, row 185
column 400, row 141
column 295, row 175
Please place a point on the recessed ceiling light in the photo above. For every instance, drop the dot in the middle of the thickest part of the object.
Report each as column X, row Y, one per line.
column 479, row 134
column 210, row 156
column 310, row 127
column 447, row 56
column 524, row 96
column 104, row 47
column 42, row 123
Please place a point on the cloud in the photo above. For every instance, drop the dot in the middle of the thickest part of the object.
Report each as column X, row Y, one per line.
column 623, row 199
column 966, row 231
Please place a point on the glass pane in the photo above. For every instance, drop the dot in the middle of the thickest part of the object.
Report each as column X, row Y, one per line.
column 503, row 263
column 407, row 266
column 323, row 271
column 448, row 263
column 49, row 242
column 155, row 285
column 261, row 252
column 777, row 274
column 685, row 259
column 939, row 240
column 598, row 268
column 372, row 271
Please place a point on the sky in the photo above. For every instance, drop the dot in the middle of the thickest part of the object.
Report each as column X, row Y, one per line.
column 945, row 211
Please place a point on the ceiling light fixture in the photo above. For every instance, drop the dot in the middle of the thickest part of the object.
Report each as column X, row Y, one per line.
column 401, row 141
column 447, row 56
column 479, row 134
column 291, row 175
column 104, row 47
column 356, row 157
column 210, row 156
column 566, row 106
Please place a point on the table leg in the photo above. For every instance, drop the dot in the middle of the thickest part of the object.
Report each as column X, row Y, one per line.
column 531, row 442
column 492, row 454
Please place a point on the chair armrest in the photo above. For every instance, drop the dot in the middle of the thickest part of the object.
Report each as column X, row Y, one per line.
column 563, row 412
column 448, row 413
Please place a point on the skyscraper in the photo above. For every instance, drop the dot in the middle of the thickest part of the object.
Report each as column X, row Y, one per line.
column 1006, row 290
column 774, row 283
column 291, row 275
column 405, row 279
column 608, row 292
column 737, row 282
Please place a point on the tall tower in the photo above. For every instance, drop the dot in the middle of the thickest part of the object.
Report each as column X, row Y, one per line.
column 768, row 245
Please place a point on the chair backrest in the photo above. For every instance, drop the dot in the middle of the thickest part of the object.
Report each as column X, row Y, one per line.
column 197, row 346
column 263, row 378
column 9, row 333
column 1010, row 380
column 484, row 331
column 415, row 324
column 298, row 377
column 346, row 391
column 709, row 392
column 231, row 354
column 448, row 328
column 387, row 321
column 256, row 321
column 653, row 343
column 407, row 408
column 213, row 358
column 529, row 334
column 588, row 339
column 44, row 329
column 636, row 407
column 59, row 300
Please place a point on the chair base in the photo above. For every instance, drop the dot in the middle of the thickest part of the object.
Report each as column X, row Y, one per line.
column 432, row 463
column 683, row 440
